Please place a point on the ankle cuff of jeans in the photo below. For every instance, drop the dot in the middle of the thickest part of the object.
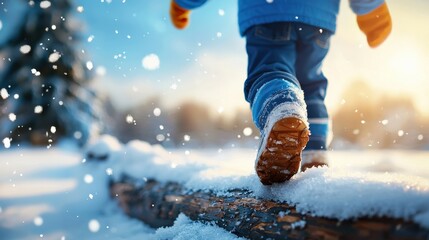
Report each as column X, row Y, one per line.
column 285, row 103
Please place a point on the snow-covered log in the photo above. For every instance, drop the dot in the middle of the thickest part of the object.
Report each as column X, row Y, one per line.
column 158, row 204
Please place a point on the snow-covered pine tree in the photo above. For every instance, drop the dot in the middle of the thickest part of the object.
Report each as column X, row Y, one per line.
column 44, row 81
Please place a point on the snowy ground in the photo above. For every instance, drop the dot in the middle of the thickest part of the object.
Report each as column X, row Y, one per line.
column 57, row 194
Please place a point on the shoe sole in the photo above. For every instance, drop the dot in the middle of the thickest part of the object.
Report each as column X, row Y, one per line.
column 306, row 166
column 281, row 157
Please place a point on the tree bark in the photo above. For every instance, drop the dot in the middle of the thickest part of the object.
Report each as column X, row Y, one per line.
column 158, row 205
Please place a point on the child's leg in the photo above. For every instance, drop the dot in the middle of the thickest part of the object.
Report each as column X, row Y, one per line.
column 314, row 45
column 271, row 50
column 276, row 99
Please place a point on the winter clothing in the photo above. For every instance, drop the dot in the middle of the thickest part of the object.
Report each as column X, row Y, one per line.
column 286, row 42
column 285, row 56
column 376, row 25
column 373, row 15
column 362, row 7
column 179, row 16
column 322, row 14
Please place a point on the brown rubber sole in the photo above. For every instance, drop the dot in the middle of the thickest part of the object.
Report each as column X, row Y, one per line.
column 312, row 165
column 281, row 158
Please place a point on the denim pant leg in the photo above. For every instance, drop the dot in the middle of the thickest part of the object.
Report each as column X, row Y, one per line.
column 313, row 47
column 271, row 50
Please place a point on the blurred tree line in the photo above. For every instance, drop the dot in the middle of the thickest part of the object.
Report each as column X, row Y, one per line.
column 366, row 119
column 189, row 124
column 370, row 118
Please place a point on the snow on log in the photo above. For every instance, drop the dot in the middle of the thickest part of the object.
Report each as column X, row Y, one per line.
column 158, row 204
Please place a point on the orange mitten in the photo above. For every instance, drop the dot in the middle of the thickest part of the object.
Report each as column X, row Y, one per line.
column 179, row 16
column 376, row 25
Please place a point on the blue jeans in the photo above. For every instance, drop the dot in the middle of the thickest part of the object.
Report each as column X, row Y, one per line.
column 293, row 52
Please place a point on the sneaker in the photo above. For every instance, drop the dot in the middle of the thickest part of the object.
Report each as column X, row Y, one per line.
column 314, row 158
column 282, row 142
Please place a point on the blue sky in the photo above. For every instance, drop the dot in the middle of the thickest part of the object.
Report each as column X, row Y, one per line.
column 207, row 61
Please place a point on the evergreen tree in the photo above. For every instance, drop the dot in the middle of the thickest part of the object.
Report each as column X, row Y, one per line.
column 44, row 81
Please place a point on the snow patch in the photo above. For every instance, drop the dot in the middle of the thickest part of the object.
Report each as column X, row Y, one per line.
column 335, row 192
column 185, row 229
column 68, row 213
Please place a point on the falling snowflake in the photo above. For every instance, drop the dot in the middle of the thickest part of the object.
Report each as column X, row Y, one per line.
column 91, row 38
column 151, row 62
column 88, row 178
column 3, row 93
column 157, row 112
column 89, row 65
column 45, row 4
column 187, row 138
column 247, row 131
column 129, row 119
column 12, row 117
column 80, row 9
column 38, row 221
column 54, row 57
column 38, row 109
column 24, row 49
column 221, row 12
column 160, row 137
column 6, row 142
column 35, row 72
column 94, row 225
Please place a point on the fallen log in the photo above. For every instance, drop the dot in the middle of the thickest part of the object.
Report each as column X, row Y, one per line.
column 158, row 205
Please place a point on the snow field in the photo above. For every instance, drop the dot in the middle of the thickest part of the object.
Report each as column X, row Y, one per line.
column 58, row 194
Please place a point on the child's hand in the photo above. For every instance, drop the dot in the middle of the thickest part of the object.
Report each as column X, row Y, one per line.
column 179, row 16
column 376, row 25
